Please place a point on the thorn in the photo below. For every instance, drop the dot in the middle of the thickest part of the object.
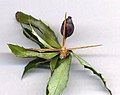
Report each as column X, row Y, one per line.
column 81, row 47
column 64, row 29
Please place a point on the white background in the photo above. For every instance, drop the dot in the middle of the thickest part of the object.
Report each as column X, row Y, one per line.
column 96, row 22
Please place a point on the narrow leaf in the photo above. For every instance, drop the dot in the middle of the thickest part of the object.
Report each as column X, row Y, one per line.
column 88, row 66
column 50, row 40
column 29, row 35
column 34, row 64
column 46, row 31
column 25, row 53
column 53, row 63
column 39, row 38
column 59, row 78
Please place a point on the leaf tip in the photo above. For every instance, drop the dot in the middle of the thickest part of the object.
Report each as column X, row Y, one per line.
column 17, row 15
column 10, row 46
column 23, row 74
column 22, row 77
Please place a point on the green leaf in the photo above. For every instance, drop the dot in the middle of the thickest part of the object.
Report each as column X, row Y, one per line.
column 39, row 38
column 53, row 63
column 59, row 78
column 50, row 40
column 46, row 31
column 34, row 64
column 25, row 53
column 88, row 66
column 29, row 35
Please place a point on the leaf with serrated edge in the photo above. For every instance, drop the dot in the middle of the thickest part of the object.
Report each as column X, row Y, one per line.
column 53, row 63
column 46, row 31
column 34, row 64
column 88, row 66
column 59, row 78
column 25, row 53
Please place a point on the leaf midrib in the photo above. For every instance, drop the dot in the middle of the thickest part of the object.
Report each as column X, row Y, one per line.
column 59, row 79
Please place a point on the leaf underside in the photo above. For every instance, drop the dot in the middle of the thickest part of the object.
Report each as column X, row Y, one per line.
column 59, row 78
column 88, row 66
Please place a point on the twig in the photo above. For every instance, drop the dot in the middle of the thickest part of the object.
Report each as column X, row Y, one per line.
column 81, row 47
column 64, row 33
column 44, row 49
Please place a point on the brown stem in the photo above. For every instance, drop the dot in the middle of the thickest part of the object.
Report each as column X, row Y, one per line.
column 44, row 49
column 80, row 54
column 81, row 47
column 64, row 29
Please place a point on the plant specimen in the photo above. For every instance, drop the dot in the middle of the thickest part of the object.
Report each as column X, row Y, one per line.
column 50, row 53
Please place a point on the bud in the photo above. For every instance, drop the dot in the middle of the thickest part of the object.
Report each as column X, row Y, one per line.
column 69, row 27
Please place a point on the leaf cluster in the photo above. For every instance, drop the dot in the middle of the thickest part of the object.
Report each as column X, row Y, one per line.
column 45, row 37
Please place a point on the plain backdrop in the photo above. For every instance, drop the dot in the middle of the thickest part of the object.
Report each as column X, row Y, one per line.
column 96, row 22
